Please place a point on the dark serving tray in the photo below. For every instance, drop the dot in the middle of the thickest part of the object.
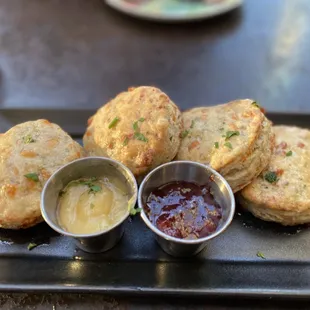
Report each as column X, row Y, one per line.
column 228, row 267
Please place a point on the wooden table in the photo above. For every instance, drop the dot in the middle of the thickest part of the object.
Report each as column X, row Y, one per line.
column 78, row 54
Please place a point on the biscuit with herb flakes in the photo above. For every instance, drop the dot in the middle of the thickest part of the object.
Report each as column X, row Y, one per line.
column 236, row 139
column 140, row 128
column 29, row 154
column 282, row 192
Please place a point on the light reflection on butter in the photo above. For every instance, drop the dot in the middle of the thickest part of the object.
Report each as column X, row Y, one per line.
column 291, row 34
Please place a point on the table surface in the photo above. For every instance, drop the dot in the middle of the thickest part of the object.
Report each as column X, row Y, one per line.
column 78, row 54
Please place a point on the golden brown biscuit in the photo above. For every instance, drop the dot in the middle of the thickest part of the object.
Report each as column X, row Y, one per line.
column 29, row 154
column 140, row 128
column 282, row 192
column 235, row 139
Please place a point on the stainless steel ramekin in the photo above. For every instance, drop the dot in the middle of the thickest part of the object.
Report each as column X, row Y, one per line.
column 190, row 172
column 86, row 168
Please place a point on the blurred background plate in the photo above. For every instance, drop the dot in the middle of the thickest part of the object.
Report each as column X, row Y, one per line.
column 174, row 10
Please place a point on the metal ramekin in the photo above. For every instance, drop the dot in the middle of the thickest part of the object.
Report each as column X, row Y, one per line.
column 191, row 172
column 86, row 168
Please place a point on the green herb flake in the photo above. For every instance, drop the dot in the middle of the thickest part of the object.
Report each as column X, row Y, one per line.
column 230, row 134
column 261, row 255
column 32, row 176
column 228, row 144
column 184, row 134
column 255, row 104
column 135, row 126
column 289, row 153
column 92, row 206
column 94, row 188
column 192, row 124
column 170, row 138
column 114, row 122
column 126, row 140
column 216, row 145
column 134, row 211
column 139, row 136
column 221, row 129
column 28, row 139
column 32, row 245
column 271, row 177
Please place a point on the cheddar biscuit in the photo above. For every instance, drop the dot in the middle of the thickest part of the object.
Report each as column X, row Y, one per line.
column 236, row 139
column 29, row 154
column 282, row 192
column 140, row 128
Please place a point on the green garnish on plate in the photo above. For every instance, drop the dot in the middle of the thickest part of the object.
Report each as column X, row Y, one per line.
column 32, row 245
column 261, row 255
column 134, row 211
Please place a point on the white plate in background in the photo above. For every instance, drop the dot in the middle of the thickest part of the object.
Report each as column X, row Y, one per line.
column 174, row 10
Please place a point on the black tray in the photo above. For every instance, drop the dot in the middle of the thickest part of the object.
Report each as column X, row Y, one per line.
column 228, row 267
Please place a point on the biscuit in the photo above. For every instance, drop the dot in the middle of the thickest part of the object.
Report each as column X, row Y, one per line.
column 236, row 139
column 140, row 128
column 282, row 192
column 29, row 154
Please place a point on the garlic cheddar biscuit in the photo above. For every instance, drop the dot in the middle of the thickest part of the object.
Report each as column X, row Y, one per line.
column 282, row 192
column 29, row 154
column 140, row 128
column 236, row 139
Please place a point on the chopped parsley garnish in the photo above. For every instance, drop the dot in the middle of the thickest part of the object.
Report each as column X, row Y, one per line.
column 192, row 124
column 255, row 104
column 114, row 122
column 289, row 153
column 139, row 136
column 94, row 189
column 32, row 245
column 134, row 211
column 135, row 125
column 126, row 140
column 261, row 255
column 228, row 144
column 92, row 206
column 32, row 176
column 230, row 134
column 271, row 177
column 28, row 139
column 170, row 138
column 216, row 145
column 222, row 128
column 184, row 133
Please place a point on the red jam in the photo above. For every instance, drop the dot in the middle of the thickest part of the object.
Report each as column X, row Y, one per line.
column 184, row 210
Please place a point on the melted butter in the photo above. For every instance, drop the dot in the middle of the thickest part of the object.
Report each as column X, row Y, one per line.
column 82, row 210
